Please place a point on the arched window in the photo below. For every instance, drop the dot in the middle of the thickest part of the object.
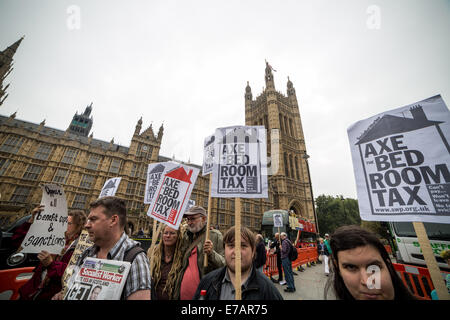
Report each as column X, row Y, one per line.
column 291, row 127
column 286, row 127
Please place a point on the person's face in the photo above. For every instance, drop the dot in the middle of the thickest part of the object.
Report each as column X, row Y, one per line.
column 99, row 225
column 195, row 222
column 354, row 269
column 94, row 294
column 170, row 236
column 247, row 254
column 71, row 226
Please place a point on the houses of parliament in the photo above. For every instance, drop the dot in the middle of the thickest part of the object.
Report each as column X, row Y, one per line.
column 32, row 154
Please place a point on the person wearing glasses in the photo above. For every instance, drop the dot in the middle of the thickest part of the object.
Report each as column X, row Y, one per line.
column 166, row 264
column 194, row 247
column 47, row 275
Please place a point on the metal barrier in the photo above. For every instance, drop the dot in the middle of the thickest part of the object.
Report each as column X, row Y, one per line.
column 417, row 279
column 13, row 279
column 305, row 256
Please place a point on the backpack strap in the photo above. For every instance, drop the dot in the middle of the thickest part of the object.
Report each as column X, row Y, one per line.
column 131, row 253
column 129, row 256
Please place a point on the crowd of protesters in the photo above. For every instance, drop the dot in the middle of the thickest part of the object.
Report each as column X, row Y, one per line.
column 184, row 263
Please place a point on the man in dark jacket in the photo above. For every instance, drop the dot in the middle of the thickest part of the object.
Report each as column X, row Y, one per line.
column 276, row 244
column 261, row 255
column 220, row 284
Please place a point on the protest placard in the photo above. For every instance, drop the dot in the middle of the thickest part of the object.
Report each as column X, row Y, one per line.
column 239, row 171
column 208, row 155
column 277, row 220
column 208, row 163
column 83, row 243
column 154, row 173
column 110, row 187
column 401, row 163
column 240, row 165
column 47, row 231
column 401, row 160
column 98, row 279
column 172, row 194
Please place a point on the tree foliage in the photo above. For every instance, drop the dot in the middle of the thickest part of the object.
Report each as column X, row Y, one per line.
column 334, row 212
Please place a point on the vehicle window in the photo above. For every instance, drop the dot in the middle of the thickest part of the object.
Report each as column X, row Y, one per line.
column 435, row 231
column 9, row 227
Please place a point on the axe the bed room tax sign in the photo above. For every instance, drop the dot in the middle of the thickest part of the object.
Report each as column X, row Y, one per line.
column 401, row 162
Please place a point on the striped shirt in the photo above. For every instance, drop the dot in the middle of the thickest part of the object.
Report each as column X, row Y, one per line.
column 139, row 275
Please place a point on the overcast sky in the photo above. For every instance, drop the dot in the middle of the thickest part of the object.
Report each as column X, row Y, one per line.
column 186, row 64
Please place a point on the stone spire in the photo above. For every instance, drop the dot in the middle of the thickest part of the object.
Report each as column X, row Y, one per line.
column 6, row 59
column 270, row 84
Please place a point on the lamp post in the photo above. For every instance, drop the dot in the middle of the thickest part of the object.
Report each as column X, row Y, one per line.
column 306, row 156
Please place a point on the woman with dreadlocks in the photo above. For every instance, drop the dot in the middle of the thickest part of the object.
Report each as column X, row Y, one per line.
column 165, row 265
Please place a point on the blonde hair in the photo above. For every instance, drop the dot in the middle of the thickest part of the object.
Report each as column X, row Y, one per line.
column 175, row 269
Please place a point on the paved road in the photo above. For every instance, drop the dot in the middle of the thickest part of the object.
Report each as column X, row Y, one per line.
column 309, row 284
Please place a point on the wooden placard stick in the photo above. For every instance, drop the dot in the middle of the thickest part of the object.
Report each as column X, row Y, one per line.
column 155, row 235
column 430, row 260
column 208, row 219
column 237, row 249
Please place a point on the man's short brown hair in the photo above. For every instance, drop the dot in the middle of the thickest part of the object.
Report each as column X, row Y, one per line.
column 112, row 206
column 246, row 233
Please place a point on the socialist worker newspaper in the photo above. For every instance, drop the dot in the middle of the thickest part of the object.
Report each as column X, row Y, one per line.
column 98, row 279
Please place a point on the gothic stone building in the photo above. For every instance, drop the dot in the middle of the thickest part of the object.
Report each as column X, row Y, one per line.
column 6, row 63
column 33, row 154
column 290, row 183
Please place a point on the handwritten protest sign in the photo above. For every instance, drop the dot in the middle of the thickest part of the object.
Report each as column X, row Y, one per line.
column 98, row 279
column 401, row 163
column 208, row 155
column 47, row 231
column 172, row 194
column 110, row 187
column 240, row 167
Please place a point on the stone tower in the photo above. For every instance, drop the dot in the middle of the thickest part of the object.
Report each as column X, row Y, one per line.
column 6, row 63
column 289, row 183
column 82, row 123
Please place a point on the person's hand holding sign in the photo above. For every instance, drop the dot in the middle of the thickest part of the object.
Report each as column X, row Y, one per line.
column 35, row 210
column 208, row 247
column 45, row 258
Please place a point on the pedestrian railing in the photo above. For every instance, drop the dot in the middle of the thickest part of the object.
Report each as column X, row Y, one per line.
column 305, row 256
column 12, row 279
column 417, row 279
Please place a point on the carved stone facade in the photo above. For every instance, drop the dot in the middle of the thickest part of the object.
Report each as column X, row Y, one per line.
column 32, row 154
column 279, row 114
